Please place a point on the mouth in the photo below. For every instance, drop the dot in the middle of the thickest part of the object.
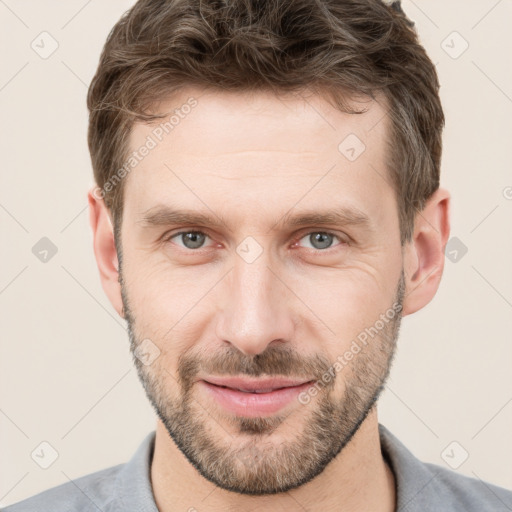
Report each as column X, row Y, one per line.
column 254, row 397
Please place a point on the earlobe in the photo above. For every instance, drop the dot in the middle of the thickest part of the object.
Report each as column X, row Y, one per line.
column 105, row 250
column 424, row 255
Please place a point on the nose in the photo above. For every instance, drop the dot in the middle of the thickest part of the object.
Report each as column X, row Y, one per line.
column 255, row 309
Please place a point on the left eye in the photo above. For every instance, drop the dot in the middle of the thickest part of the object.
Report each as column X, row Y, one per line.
column 321, row 240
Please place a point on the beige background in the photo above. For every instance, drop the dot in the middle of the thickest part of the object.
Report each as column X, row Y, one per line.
column 65, row 371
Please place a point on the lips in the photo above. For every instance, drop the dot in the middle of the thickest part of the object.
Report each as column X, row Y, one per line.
column 253, row 397
column 255, row 385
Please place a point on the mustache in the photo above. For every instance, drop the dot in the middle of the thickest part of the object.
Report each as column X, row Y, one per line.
column 275, row 360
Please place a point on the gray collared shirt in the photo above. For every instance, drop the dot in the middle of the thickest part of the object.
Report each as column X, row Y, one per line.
column 421, row 487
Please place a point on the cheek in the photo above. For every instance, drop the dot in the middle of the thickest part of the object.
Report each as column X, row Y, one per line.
column 158, row 290
column 346, row 300
column 170, row 305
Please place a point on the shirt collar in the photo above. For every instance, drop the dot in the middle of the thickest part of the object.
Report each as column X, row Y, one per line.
column 133, row 489
column 414, row 480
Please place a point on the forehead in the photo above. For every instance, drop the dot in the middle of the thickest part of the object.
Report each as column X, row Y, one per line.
column 237, row 152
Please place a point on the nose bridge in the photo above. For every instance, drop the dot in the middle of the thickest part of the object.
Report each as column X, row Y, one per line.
column 255, row 311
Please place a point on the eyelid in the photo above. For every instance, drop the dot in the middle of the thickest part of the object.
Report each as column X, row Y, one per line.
column 166, row 237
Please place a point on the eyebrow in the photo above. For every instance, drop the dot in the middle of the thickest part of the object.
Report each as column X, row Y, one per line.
column 343, row 216
column 162, row 215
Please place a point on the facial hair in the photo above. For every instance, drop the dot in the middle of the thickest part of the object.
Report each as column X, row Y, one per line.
column 251, row 463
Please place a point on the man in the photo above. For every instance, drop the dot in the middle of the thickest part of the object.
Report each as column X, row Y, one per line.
column 267, row 209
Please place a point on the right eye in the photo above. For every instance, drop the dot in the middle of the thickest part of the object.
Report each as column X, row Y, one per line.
column 191, row 240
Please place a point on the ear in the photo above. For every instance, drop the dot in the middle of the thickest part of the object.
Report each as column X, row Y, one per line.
column 105, row 248
column 424, row 254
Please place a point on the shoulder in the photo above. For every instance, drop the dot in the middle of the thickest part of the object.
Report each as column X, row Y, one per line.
column 427, row 487
column 88, row 493
column 464, row 493
column 108, row 490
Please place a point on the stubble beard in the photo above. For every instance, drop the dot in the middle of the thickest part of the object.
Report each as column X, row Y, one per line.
column 253, row 461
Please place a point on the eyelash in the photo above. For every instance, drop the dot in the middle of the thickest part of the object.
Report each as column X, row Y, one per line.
column 169, row 237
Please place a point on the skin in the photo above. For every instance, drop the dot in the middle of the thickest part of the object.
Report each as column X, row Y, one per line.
column 249, row 160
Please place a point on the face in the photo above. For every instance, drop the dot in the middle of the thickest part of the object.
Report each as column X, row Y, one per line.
column 271, row 318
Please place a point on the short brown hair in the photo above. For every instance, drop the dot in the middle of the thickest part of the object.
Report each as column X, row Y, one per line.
column 333, row 47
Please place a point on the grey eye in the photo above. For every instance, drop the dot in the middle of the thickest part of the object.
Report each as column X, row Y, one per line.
column 320, row 240
column 191, row 239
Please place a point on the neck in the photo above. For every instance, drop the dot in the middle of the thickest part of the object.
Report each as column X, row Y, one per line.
column 357, row 479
